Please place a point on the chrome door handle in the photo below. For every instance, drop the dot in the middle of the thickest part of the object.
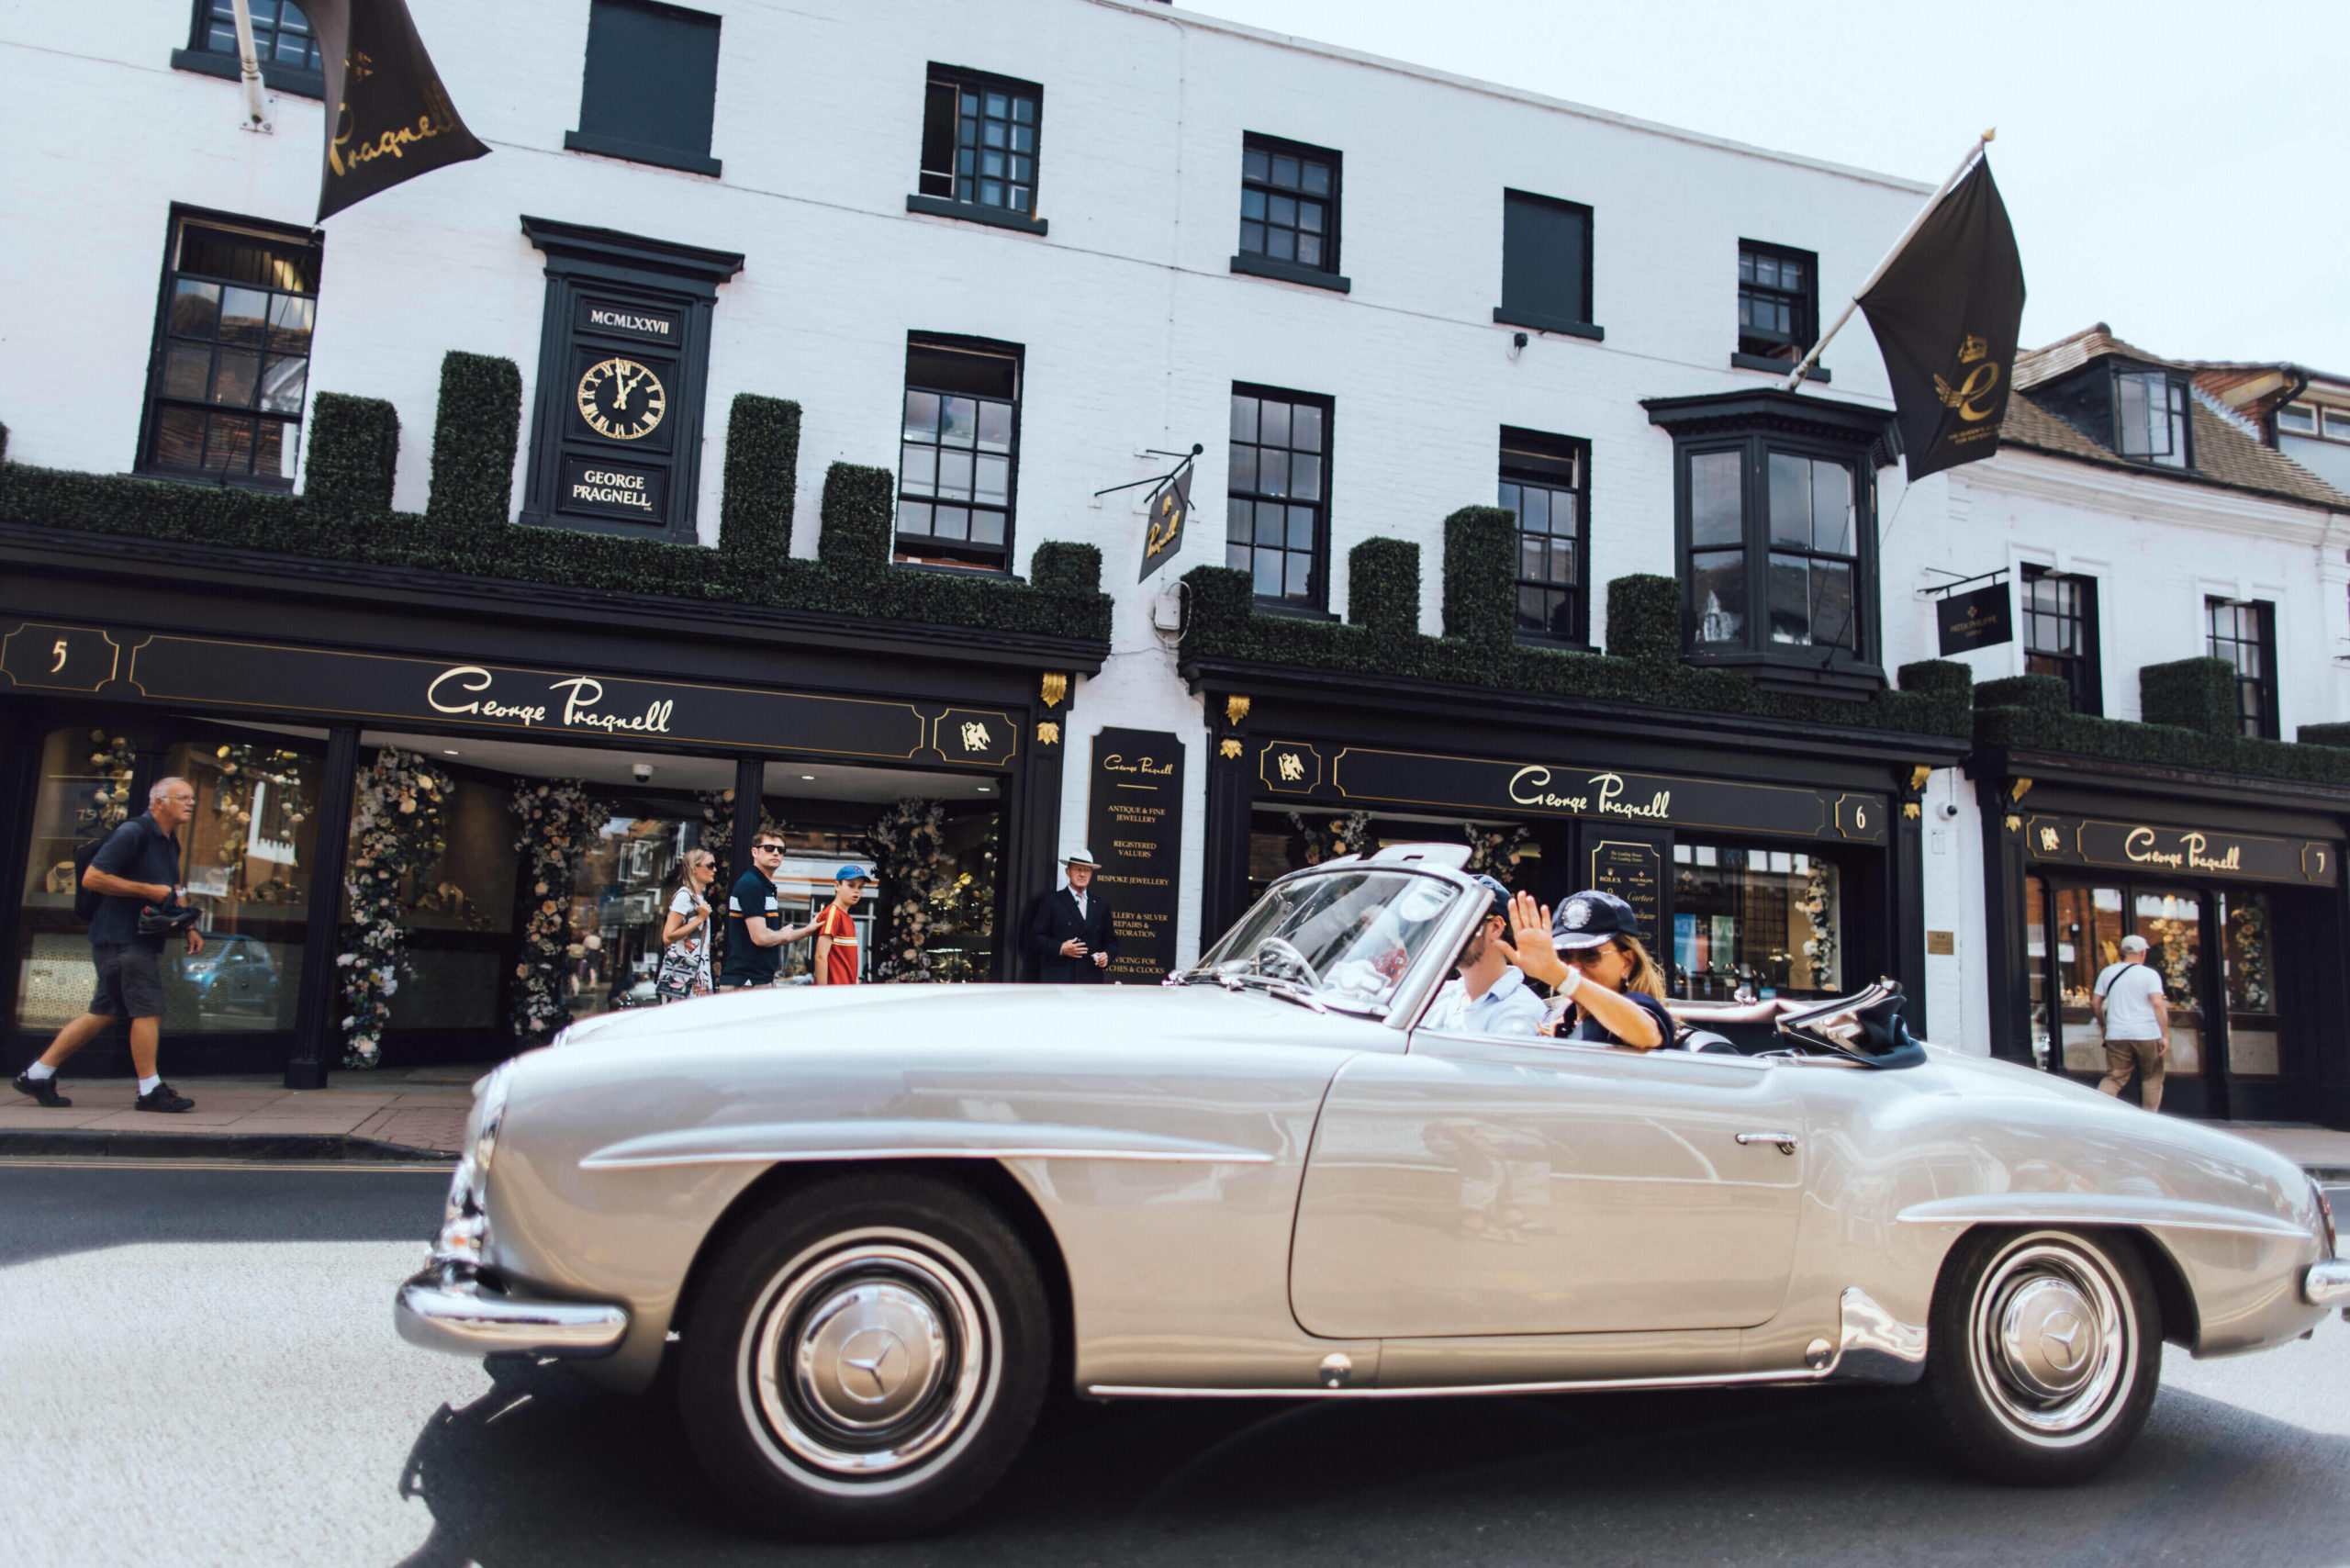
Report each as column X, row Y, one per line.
column 1786, row 1141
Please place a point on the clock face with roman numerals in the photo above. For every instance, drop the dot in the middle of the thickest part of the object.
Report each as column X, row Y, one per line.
column 622, row 399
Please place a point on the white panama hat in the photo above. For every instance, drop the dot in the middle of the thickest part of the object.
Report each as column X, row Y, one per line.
column 1081, row 858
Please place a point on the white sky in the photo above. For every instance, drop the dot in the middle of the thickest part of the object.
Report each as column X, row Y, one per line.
column 2181, row 172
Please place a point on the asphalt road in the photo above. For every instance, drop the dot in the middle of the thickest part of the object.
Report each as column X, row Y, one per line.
column 199, row 1367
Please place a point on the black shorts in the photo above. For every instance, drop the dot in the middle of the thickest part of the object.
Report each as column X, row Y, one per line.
column 129, row 984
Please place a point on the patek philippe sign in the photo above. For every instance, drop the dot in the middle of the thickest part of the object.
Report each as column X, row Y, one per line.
column 1503, row 788
column 1133, row 825
column 277, row 678
column 2180, row 851
column 1983, row 618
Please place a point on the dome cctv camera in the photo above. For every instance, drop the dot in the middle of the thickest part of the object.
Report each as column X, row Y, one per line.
column 643, row 770
column 1949, row 810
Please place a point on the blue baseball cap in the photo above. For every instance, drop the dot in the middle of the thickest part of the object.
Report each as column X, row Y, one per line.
column 1593, row 919
column 850, row 874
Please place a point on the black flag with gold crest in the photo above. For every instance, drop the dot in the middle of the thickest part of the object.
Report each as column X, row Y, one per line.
column 1946, row 313
column 388, row 116
column 1170, row 507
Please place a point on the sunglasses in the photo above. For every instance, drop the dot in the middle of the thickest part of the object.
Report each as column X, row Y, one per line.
column 1580, row 957
column 768, row 849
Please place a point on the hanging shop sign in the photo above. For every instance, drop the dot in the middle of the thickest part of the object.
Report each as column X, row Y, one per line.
column 294, row 680
column 1983, row 618
column 1133, row 825
column 2181, row 852
column 1494, row 786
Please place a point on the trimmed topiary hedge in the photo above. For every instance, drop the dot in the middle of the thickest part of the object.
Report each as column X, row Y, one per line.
column 1383, row 587
column 2192, row 694
column 1480, row 577
column 1644, row 619
column 351, row 448
column 1935, row 697
column 2044, row 693
column 473, row 433
column 2161, row 745
column 761, row 477
column 2324, row 734
column 354, row 450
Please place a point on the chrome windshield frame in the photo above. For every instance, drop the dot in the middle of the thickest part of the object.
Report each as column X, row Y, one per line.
column 1448, row 932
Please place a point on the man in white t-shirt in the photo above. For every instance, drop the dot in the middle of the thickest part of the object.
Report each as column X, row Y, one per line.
column 2136, row 1017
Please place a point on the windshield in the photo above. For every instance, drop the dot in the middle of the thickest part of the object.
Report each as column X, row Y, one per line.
column 1345, row 939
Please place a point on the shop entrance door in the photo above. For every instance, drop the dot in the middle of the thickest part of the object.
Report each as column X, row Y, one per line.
column 2081, row 927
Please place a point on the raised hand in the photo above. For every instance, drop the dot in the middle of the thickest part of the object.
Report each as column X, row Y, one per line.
column 1530, row 926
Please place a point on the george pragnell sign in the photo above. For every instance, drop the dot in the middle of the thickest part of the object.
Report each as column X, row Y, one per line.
column 388, row 118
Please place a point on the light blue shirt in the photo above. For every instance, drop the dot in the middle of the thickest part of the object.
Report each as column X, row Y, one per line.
column 1507, row 1009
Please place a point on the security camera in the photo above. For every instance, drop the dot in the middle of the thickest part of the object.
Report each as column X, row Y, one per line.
column 643, row 770
column 1949, row 810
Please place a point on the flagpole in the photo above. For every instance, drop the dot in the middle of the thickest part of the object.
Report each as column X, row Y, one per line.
column 1803, row 366
column 256, row 116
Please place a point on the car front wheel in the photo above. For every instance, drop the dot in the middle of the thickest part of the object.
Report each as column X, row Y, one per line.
column 867, row 1358
column 2044, row 1354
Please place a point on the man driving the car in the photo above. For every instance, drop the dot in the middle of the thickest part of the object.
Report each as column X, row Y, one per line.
column 1488, row 995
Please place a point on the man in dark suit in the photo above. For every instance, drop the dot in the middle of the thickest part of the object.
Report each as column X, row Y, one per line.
column 1072, row 934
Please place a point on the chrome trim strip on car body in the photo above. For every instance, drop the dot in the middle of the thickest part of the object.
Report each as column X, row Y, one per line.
column 2072, row 1208
column 2327, row 1283
column 1875, row 1347
column 446, row 1307
column 778, row 1142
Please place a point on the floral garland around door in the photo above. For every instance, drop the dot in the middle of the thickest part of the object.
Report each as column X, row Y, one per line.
column 909, row 845
column 109, row 805
column 552, row 823
column 1494, row 851
column 396, row 831
column 1818, row 905
column 1327, row 838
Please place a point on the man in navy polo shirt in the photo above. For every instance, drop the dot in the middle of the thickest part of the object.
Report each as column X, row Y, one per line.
column 137, row 866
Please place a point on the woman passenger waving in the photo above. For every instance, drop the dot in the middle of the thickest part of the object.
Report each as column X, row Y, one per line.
column 1593, row 958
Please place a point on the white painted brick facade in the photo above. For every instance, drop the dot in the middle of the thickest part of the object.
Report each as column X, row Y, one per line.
column 1133, row 325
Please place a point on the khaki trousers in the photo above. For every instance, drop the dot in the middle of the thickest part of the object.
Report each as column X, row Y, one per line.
column 2145, row 1057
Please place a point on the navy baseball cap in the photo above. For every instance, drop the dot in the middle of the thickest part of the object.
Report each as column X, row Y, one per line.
column 1593, row 919
column 850, row 874
column 1499, row 908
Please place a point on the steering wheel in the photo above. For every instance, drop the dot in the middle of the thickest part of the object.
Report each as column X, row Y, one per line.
column 1283, row 949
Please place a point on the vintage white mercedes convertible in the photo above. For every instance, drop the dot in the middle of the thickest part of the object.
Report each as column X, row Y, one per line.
column 868, row 1229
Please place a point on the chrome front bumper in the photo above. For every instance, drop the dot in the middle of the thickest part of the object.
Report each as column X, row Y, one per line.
column 449, row 1307
column 2328, row 1282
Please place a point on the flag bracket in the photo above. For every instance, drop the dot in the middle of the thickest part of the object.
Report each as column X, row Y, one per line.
column 1155, row 478
column 1935, row 591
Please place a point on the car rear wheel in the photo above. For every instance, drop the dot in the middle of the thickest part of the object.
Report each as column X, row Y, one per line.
column 867, row 1358
column 2044, row 1354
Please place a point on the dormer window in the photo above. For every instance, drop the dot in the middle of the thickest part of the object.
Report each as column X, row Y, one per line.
column 2152, row 416
column 2137, row 412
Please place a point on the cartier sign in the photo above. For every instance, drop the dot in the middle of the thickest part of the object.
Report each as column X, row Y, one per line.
column 2179, row 851
column 1369, row 776
column 281, row 679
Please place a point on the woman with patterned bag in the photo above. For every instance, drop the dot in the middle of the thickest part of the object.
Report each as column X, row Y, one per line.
column 685, row 934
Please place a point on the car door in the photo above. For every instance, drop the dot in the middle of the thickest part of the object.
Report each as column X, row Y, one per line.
column 1477, row 1186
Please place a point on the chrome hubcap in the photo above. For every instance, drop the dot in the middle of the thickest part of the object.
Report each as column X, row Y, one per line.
column 869, row 1356
column 2051, row 1339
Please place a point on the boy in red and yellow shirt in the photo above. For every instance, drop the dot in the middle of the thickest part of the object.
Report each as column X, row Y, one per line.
column 836, row 929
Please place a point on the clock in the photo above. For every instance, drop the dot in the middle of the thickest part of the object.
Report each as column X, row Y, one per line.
column 622, row 399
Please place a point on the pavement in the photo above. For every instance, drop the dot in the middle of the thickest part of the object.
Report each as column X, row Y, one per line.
column 202, row 1369
column 383, row 1114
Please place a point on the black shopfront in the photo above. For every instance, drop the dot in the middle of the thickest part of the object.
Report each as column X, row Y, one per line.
column 2235, row 884
column 274, row 686
column 1763, row 859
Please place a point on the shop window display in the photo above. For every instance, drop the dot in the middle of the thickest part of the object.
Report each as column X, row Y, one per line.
column 620, row 889
column 246, row 862
column 2253, row 1025
column 84, row 789
column 459, row 913
column 2172, row 925
column 1762, row 922
column 2087, row 926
